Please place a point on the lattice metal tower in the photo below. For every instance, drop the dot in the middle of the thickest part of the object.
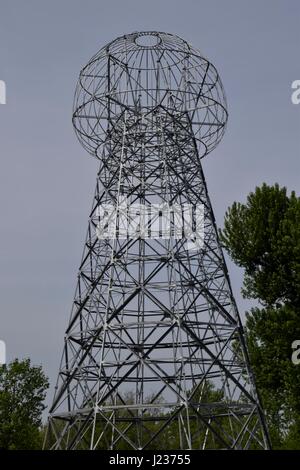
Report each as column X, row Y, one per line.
column 154, row 354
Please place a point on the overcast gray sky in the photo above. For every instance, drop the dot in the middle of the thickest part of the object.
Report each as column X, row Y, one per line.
column 46, row 178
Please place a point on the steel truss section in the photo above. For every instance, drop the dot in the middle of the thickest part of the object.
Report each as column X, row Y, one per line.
column 154, row 354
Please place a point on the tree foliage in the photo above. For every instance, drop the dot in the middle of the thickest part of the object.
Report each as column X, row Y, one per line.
column 263, row 237
column 22, row 393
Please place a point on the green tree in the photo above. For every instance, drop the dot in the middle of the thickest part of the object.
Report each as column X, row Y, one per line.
column 22, row 393
column 263, row 237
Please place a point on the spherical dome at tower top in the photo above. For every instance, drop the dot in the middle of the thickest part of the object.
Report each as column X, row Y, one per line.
column 143, row 73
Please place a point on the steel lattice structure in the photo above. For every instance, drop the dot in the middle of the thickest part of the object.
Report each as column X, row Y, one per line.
column 154, row 354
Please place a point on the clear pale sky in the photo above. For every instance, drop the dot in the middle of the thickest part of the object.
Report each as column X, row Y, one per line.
column 47, row 180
